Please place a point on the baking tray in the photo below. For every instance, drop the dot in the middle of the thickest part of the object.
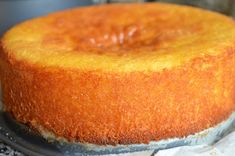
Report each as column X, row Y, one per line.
column 23, row 139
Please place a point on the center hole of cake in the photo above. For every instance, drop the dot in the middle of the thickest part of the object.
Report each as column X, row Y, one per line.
column 118, row 38
column 129, row 38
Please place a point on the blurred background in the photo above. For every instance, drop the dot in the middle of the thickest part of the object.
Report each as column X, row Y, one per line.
column 15, row 11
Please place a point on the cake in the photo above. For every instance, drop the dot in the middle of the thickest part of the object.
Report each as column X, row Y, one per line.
column 120, row 73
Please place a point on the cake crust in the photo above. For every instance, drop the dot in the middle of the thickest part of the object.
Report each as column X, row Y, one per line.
column 157, row 35
column 126, row 105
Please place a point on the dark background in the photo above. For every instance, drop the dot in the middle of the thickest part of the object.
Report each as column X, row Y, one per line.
column 15, row 11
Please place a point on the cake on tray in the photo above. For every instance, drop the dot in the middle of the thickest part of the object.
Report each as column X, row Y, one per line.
column 120, row 73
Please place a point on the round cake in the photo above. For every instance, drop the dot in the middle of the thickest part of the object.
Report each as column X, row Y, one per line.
column 120, row 73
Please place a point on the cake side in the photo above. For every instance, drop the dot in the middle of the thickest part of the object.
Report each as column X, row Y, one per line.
column 122, row 108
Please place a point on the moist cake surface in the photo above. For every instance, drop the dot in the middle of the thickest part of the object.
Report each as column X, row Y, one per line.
column 120, row 73
column 120, row 37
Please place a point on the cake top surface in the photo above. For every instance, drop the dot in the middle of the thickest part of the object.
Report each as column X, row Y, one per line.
column 120, row 37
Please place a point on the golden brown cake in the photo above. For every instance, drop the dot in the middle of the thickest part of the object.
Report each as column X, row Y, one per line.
column 121, row 73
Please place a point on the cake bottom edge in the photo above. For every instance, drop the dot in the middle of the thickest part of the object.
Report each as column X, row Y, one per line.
column 206, row 136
